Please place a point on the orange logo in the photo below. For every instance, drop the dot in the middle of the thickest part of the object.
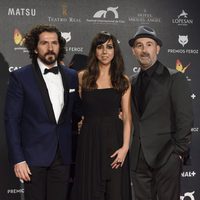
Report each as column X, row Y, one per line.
column 180, row 67
column 64, row 10
column 18, row 38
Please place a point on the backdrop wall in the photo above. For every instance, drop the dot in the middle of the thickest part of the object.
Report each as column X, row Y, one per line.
column 176, row 22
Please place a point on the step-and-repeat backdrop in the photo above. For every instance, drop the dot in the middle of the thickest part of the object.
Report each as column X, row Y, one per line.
column 176, row 22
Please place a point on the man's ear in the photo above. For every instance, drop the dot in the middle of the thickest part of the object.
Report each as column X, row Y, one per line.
column 158, row 49
column 133, row 51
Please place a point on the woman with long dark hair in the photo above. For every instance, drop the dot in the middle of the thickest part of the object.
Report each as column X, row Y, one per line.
column 101, row 164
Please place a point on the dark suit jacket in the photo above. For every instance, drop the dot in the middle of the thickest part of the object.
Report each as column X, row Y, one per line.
column 31, row 129
column 165, row 126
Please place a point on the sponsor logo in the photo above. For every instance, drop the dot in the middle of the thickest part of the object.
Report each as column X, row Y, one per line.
column 64, row 10
column 183, row 51
column 183, row 40
column 67, row 36
column 74, row 49
column 103, row 13
column 109, row 15
column 15, row 191
column 144, row 18
column 65, row 16
column 62, row 19
column 193, row 96
column 18, row 39
column 195, row 129
column 22, row 12
column 183, row 14
column 188, row 195
column 136, row 69
column 188, row 174
column 182, row 19
column 180, row 67
column 13, row 68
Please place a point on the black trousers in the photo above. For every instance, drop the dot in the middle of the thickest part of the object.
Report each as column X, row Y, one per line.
column 48, row 183
column 157, row 184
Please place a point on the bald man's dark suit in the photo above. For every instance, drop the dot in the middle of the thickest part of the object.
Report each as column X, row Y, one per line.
column 164, row 128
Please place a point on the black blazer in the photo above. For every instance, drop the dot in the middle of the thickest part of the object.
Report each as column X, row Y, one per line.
column 165, row 125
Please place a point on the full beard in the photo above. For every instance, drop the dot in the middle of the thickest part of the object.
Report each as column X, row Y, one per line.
column 49, row 58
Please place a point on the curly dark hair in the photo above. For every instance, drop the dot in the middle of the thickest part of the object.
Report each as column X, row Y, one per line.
column 91, row 74
column 32, row 38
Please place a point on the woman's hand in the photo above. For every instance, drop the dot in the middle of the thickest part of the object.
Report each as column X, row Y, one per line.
column 80, row 123
column 120, row 155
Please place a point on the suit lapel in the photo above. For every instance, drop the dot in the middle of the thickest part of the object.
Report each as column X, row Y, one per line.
column 66, row 81
column 153, row 97
column 44, row 92
column 135, row 92
column 155, row 92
